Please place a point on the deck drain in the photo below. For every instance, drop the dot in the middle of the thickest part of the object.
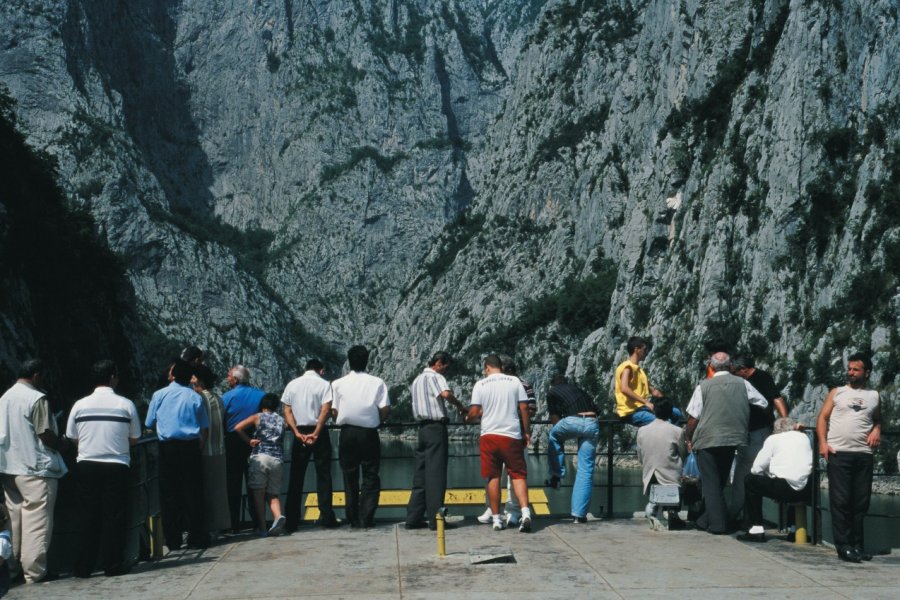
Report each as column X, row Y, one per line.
column 489, row 555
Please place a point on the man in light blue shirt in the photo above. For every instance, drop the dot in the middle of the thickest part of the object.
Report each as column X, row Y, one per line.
column 182, row 423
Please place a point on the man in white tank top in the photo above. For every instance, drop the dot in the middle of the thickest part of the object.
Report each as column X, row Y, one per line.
column 848, row 428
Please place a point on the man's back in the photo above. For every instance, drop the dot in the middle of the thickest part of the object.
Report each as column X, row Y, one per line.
column 661, row 449
column 499, row 396
column 240, row 402
column 103, row 423
column 726, row 412
column 357, row 397
column 305, row 395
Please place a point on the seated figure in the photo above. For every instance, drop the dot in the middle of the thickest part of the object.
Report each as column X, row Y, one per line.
column 661, row 449
column 781, row 472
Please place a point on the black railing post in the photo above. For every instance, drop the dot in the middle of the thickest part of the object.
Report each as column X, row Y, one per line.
column 609, row 474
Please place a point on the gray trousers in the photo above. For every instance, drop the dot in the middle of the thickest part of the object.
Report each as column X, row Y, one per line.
column 715, row 465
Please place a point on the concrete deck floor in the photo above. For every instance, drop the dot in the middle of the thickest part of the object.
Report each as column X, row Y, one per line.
column 601, row 559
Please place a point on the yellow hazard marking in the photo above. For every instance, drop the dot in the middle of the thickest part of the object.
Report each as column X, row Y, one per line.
column 537, row 499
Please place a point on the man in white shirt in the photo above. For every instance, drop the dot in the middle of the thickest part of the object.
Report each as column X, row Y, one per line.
column 306, row 412
column 359, row 403
column 429, row 393
column 105, row 426
column 718, row 421
column 499, row 401
column 780, row 471
column 31, row 466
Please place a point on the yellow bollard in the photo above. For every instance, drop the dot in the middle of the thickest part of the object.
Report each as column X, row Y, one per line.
column 442, row 543
column 800, row 522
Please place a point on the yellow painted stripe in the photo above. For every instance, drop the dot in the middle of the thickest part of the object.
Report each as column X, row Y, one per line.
column 537, row 498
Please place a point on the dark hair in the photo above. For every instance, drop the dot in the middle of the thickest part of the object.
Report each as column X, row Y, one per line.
column 717, row 345
column 314, row 364
column 205, row 376
column 861, row 357
column 662, row 408
column 743, row 361
column 358, row 357
column 635, row 342
column 558, row 379
column 508, row 364
column 103, row 371
column 440, row 357
column 493, row 361
column 30, row 368
column 269, row 402
column 191, row 353
column 182, row 371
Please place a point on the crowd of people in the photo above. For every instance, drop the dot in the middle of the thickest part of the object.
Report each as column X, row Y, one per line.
column 735, row 425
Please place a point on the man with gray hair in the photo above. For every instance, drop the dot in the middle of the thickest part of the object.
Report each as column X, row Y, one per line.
column 781, row 472
column 240, row 402
column 718, row 419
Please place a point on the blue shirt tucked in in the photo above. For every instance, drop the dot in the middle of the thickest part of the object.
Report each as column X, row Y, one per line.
column 240, row 402
column 178, row 412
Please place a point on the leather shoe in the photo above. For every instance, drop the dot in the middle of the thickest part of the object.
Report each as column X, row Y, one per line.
column 752, row 537
column 863, row 555
column 447, row 525
column 416, row 525
column 849, row 555
column 332, row 524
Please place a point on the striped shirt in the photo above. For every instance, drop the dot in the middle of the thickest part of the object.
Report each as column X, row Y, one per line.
column 566, row 400
column 215, row 441
column 426, row 390
column 102, row 423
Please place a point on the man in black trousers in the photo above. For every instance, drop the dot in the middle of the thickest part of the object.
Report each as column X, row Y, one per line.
column 105, row 426
column 359, row 404
column 306, row 412
column 429, row 392
column 179, row 415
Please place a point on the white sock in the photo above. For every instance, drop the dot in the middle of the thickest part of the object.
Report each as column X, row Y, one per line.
column 756, row 529
column 526, row 513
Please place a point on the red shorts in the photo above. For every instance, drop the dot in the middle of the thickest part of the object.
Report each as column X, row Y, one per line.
column 497, row 450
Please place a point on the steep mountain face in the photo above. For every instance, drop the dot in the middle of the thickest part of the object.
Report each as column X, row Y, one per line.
column 287, row 178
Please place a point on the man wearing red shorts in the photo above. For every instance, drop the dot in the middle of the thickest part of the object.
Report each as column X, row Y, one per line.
column 499, row 401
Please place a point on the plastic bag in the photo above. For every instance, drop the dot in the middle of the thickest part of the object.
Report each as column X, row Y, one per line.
column 691, row 470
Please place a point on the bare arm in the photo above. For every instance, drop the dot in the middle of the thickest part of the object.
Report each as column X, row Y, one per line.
column 320, row 423
column 874, row 437
column 383, row 412
column 251, row 421
column 448, row 397
column 822, row 426
column 526, row 422
column 474, row 414
column 689, row 433
column 780, row 406
column 291, row 422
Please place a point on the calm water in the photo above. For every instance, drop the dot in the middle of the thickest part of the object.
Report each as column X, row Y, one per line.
column 882, row 524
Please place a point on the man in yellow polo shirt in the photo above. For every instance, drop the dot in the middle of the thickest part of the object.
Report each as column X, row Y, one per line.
column 633, row 389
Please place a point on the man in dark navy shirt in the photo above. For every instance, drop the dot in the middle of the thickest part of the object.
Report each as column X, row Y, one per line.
column 574, row 416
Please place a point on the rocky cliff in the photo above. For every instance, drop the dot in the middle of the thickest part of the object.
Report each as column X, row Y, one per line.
column 288, row 178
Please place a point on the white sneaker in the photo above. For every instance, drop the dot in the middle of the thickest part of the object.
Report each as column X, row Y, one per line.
column 499, row 525
column 485, row 517
column 525, row 525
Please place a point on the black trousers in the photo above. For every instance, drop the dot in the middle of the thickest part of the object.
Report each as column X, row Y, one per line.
column 360, row 451
column 103, row 490
column 237, row 452
column 715, row 465
column 320, row 452
column 849, row 491
column 757, row 487
column 181, row 492
column 429, row 474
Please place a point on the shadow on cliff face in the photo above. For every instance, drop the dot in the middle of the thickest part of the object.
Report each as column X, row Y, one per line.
column 131, row 46
column 65, row 297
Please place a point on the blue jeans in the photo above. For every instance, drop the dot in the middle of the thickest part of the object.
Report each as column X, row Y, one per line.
column 645, row 416
column 587, row 431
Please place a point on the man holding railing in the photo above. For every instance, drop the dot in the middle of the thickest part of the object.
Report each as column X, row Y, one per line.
column 429, row 393
column 848, row 428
